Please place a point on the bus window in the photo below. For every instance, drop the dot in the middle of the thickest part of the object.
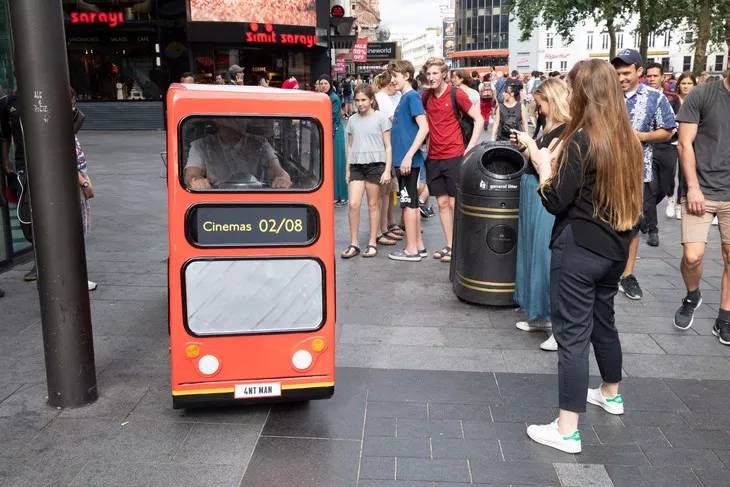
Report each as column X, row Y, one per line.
column 233, row 297
column 250, row 154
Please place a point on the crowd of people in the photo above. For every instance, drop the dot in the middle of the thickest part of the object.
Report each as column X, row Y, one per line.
column 606, row 144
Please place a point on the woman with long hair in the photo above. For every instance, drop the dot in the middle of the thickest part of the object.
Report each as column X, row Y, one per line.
column 387, row 101
column 591, row 180
column 532, row 281
column 486, row 98
column 369, row 162
column 510, row 114
column 338, row 132
column 685, row 83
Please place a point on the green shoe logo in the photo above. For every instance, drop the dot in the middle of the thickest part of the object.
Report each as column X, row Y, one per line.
column 574, row 437
column 618, row 399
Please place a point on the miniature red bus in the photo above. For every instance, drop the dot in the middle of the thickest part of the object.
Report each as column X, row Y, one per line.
column 251, row 245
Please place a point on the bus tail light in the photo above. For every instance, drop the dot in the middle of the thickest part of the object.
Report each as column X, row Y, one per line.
column 208, row 364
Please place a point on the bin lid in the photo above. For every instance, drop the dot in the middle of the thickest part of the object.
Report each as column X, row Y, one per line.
column 492, row 166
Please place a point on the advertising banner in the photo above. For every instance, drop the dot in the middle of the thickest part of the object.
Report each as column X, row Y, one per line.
column 381, row 50
column 297, row 12
column 449, row 36
column 360, row 50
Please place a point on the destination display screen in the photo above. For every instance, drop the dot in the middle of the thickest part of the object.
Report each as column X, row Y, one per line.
column 252, row 225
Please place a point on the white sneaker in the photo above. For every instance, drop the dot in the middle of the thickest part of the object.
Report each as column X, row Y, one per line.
column 548, row 435
column 534, row 325
column 92, row 286
column 549, row 345
column 612, row 405
column 671, row 207
column 678, row 212
column 715, row 221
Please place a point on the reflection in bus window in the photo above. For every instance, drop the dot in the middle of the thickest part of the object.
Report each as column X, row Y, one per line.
column 225, row 297
column 250, row 154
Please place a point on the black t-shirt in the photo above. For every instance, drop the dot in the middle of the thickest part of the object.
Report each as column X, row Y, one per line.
column 708, row 106
column 10, row 125
column 544, row 142
column 570, row 198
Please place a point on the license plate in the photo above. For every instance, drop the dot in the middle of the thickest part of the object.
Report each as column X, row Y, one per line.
column 246, row 391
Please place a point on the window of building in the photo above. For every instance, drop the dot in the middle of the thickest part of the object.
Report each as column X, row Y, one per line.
column 667, row 38
column 620, row 40
column 605, row 41
column 719, row 62
column 548, row 65
column 687, row 63
column 589, row 41
column 637, row 40
column 689, row 37
column 563, row 66
column 665, row 64
column 549, row 40
column 652, row 39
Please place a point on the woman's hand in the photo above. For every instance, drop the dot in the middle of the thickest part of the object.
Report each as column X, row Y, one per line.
column 385, row 177
column 86, row 186
column 519, row 139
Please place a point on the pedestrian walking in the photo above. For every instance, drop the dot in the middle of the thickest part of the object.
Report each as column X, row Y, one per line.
column 704, row 153
column 486, row 99
column 410, row 129
column 591, row 182
column 532, row 278
column 338, row 132
column 510, row 114
column 368, row 166
column 445, row 107
column 459, row 78
column 653, row 121
column 684, row 85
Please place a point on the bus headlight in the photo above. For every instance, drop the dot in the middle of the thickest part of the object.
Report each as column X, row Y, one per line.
column 208, row 365
column 301, row 360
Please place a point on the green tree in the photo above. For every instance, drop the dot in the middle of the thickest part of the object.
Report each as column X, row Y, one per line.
column 710, row 19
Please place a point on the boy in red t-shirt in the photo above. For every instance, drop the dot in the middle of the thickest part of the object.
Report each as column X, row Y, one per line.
column 445, row 144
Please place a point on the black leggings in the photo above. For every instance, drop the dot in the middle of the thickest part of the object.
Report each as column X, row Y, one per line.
column 582, row 287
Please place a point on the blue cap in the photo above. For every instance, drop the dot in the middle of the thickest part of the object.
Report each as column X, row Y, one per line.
column 629, row 56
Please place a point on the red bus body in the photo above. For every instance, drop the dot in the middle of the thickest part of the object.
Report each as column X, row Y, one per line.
column 251, row 366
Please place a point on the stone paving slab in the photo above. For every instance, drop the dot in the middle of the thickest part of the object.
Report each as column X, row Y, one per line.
column 430, row 389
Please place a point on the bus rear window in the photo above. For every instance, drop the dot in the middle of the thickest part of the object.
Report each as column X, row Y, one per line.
column 236, row 153
column 233, row 297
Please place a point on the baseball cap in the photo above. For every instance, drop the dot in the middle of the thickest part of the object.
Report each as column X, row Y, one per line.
column 628, row 56
column 235, row 69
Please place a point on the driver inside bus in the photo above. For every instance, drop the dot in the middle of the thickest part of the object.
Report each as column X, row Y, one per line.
column 232, row 157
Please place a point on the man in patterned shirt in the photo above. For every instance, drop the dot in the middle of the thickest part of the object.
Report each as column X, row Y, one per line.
column 653, row 120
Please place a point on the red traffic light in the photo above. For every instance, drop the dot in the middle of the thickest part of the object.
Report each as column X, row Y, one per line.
column 337, row 11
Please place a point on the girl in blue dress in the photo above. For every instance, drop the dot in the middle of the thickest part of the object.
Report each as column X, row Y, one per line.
column 532, row 282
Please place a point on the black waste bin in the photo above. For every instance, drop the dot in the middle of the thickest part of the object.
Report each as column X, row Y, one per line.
column 485, row 225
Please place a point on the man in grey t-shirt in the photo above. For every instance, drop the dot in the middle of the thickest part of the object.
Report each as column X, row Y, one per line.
column 704, row 154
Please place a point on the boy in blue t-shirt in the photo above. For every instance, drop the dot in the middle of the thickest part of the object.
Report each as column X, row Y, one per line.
column 410, row 129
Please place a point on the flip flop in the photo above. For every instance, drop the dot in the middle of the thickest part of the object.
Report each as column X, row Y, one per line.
column 368, row 252
column 439, row 254
column 393, row 236
column 396, row 229
column 350, row 252
column 385, row 240
column 446, row 256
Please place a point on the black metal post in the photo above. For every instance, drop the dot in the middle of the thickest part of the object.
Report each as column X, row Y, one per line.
column 45, row 108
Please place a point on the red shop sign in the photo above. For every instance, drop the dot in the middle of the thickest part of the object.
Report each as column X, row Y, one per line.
column 111, row 18
column 270, row 36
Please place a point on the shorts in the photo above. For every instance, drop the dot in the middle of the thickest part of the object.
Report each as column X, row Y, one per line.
column 347, row 100
column 442, row 175
column 408, row 184
column 370, row 173
column 696, row 228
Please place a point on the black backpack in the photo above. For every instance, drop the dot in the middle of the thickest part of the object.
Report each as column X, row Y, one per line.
column 466, row 123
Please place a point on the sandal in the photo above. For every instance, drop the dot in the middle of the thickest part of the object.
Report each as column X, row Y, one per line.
column 439, row 254
column 370, row 251
column 396, row 229
column 393, row 236
column 446, row 256
column 350, row 252
column 386, row 240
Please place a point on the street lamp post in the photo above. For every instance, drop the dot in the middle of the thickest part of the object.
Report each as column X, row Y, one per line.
column 45, row 107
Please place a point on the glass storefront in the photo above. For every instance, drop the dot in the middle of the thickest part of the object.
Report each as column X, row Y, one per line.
column 113, row 49
column 276, row 65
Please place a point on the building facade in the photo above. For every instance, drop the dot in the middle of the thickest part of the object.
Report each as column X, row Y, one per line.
column 482, row 34
column 417, row 48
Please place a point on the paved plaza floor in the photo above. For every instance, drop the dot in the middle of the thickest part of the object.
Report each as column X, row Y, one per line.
column 430, row 390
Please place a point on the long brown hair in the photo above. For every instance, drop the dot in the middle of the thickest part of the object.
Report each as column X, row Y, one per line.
column 597, row 107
